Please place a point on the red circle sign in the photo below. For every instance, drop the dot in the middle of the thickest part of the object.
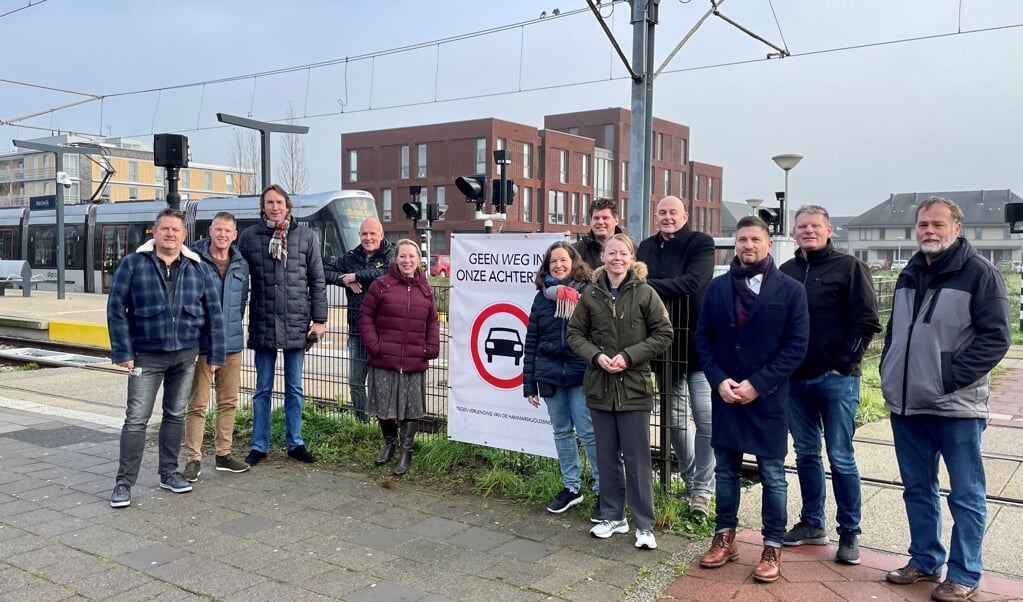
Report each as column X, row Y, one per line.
column 474, row 337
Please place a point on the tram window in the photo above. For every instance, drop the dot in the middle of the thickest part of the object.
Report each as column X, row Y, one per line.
column 42, row 246
column 331, row 247
column 74, row 246
column 7, row 240
column 138, row 234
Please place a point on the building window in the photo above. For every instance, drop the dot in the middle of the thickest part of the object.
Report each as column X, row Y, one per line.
column 623, row 214
column 133, row 171
column 229, row 183
column 527, row 204
column 684, row 151
column 908, row 234
column 667, row 182
column 556, row 208
column 403, row 168
column 696, row 189
column 586, row 170
column 481, row 155
column 186, row 179
column 527, row 161
column 659, row 146
column 682, row 185
column 609, row 136
column 353, row 166
column 500, row 143
column 563, row 171
column 710, row 190
column 577, row 210
column 158, row 175
column 133, row 193
column 420, row 160
column 573, row 131
column 385, row 201
column 625, row 176
column 861, row 234
column 978, row 233
column 881, row 234
column 209, row 180
column 438, row 193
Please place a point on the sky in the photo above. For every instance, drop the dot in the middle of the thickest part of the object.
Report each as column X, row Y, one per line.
column 871, row 113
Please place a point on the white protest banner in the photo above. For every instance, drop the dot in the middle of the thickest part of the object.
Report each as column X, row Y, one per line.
column 492, row 291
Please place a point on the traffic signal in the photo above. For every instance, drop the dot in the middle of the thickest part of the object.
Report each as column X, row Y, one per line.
column 474, row 188
column 435, row 212
column 506, row 197
column 772, row 217
column 413, row 210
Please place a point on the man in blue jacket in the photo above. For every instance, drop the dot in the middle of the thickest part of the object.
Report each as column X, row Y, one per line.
column 162, row 302
column 948, row 328
column 216, row 250
column 752, row 335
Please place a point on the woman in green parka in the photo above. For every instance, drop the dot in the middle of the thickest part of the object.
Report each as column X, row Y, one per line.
column 618, row 327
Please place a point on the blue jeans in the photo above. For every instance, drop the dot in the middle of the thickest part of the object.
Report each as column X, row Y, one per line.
column 695, row 454
column 294, row 399
column 357, row 376
column 774, row 507
column 570, row 416
column 173, row 369
column 919, row 441
column 826, row 404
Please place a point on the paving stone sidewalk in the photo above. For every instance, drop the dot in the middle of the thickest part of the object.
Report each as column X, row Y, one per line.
column 283, row 531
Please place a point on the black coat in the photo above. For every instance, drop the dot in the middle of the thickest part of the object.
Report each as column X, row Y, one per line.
column 548, row 357
column 283, row 299
column 680, row 270
column 765, row 351
column 843, row 310
column 366, row 268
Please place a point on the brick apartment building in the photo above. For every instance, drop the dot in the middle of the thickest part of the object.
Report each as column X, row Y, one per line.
column 558, row 170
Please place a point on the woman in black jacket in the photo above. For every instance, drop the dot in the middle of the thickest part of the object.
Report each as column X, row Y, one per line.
column 553, row 371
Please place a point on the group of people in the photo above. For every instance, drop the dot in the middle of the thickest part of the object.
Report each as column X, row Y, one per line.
column 175, row 318
column 760, row 353
column 749, row 357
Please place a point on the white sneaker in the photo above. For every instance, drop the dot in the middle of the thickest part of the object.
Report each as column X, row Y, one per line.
column 607, row 528
column 645, row 539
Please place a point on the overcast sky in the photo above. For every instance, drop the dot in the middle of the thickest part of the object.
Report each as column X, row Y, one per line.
column 944, row 112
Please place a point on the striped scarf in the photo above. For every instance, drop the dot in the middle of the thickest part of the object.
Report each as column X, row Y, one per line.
column 279, row 239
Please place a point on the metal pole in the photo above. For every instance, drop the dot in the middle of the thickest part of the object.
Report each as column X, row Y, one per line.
column 783, row 211
column 58, row 166
column 639, row 205
column 173, row 196
column 502, row 206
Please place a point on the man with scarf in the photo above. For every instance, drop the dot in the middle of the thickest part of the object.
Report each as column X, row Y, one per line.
column 751, row 336
column 287, row 308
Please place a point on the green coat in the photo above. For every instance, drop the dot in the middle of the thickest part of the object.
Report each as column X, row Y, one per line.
column 635, row 325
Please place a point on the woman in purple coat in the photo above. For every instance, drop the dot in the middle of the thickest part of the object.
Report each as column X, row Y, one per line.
column 400, row 330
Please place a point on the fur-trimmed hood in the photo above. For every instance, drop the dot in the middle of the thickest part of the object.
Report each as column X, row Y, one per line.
column 638, row 269
column 150, row 247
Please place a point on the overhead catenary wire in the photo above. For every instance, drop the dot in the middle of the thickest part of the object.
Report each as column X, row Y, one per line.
column 27, row 6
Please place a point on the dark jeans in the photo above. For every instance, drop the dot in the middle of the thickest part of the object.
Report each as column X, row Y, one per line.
column 919, row 441
column 826, row 405
column 174, row 370
column 357, row 369
column 773, row 509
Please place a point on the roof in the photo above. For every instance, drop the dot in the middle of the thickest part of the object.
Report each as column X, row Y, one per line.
column 980, row 207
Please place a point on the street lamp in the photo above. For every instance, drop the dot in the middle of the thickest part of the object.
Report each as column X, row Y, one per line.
column 753, row 204
column 786, row 162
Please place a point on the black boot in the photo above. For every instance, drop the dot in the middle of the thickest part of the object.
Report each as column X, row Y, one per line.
column 408, row 434
column 390, row 430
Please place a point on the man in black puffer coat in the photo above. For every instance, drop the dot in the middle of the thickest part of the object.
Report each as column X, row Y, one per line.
column 287, row 307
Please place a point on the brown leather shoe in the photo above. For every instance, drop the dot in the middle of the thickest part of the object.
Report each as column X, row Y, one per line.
column 769, row 568
column 723, row 549
column 909, row 575
column 949, row 591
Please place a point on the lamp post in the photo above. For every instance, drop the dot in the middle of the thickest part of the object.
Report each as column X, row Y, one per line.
column 786, row 162
column 753, row 204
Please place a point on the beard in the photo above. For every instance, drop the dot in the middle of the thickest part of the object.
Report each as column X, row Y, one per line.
column 935, row 248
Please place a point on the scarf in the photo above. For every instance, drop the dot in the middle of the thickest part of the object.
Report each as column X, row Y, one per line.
column 744, row 297
column 279, row 239
column 563, row 293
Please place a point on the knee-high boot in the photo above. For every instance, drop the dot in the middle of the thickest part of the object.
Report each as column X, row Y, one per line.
column 390, row 430
column 407, row 433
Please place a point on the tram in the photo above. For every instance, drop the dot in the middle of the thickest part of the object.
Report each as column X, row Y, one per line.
column 98, row 236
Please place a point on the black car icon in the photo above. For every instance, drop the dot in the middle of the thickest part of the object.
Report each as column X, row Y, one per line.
column 503, row 341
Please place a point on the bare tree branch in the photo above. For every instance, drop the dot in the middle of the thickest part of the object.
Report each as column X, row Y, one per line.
column 291, row 171
column 246, row 157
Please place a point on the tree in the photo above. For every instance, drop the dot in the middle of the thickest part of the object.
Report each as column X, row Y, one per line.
column 291, row 171
column 247, row 157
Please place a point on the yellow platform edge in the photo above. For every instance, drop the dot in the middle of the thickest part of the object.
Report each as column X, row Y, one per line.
column 78, row 333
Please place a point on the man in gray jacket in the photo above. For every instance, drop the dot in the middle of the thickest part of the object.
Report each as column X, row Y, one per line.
column 948, row 328
column 216, row 250
column 287, row 307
